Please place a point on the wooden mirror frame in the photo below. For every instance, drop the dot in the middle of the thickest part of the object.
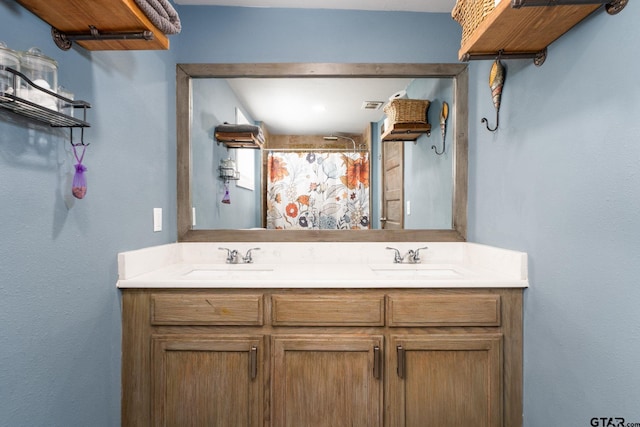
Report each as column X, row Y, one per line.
column 186, row 72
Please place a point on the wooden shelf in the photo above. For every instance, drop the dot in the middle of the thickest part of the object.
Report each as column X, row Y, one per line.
column 406, row 131
column 523, row 30
column 107, row 16
column 238, row 140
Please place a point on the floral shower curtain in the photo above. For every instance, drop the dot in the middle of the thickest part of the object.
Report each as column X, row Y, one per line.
column 318, row 190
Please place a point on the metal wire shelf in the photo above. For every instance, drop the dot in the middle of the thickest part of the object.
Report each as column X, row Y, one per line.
column 10, row 101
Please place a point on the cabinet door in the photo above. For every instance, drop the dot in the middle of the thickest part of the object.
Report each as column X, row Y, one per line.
column 206, row 381
column 445, row 381
column 326, row 381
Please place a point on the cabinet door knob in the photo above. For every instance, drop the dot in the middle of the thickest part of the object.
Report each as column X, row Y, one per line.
column 376, row 362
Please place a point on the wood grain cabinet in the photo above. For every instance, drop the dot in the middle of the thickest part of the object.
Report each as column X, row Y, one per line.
column 326, row 380
column 446, row 380
column 206, row 380
column 316, row 358
column 106, row 16
column 510, row 29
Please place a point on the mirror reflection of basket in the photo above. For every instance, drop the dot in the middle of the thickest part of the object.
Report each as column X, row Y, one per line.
column 407, row 110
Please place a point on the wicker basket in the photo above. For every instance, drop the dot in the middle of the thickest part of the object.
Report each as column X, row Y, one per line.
column 470, row 14
column 407, row 110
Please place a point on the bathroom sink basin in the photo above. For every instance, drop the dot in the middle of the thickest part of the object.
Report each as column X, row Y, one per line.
column 415, row 270
column 225, row 271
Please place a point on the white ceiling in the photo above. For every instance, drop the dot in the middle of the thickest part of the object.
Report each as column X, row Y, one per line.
column 314, row 106
column 435, row 6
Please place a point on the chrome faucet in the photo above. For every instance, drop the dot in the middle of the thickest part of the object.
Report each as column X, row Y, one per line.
column 397, row 258
column 414, row 256
column 247, row 258
column 232, row 255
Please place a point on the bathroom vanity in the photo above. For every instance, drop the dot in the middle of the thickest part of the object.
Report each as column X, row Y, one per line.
column 322, row 334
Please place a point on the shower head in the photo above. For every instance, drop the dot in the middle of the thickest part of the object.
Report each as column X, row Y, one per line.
column 335, row 138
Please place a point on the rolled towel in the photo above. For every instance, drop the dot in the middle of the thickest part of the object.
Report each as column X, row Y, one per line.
column 226, row 127
column 161, row 14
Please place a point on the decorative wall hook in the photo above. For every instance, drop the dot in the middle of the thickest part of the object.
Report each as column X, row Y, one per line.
column 444, row 114
column 496, row 83
column 486, row 122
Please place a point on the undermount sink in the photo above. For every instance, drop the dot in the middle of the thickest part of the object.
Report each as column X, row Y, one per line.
column 227, row 270
column 415, row 270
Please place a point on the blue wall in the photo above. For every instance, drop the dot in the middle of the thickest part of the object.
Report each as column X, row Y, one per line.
column 59, row 308
column 229, row 34
column 214, row 103
column 559, row 180
column 430, row 188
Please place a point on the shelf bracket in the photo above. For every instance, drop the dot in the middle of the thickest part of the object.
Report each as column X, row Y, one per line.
column 65, row 40
column 612, row 7
column 538, row 57
column 615, row 6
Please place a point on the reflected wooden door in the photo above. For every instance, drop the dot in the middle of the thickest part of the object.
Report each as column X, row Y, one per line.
column 392, row 215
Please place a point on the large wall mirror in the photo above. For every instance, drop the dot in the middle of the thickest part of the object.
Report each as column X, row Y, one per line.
column 330, row 164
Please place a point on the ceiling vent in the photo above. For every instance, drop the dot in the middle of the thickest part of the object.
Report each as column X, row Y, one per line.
column 372, row 105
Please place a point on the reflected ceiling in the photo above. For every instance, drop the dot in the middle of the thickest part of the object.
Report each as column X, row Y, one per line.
column 303, row 106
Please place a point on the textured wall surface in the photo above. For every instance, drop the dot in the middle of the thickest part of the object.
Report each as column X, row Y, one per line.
column 559, row 180
column 59, row 307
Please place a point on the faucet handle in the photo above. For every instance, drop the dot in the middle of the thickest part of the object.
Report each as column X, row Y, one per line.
column 416, row 255
column 232, row 255
column 397, row 259
column 247, row 258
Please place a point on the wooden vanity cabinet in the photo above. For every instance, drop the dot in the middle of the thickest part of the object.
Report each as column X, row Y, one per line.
column 318, row 357
column 206, row 381
column 326, row 380
column 324, row 370
column 446, row 380
column 203, row 378
column 193, row 358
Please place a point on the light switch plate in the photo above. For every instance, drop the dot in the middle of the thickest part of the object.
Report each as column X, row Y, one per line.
column 157, row 219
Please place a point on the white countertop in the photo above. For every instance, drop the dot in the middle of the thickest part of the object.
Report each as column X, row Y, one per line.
column 322, row 265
